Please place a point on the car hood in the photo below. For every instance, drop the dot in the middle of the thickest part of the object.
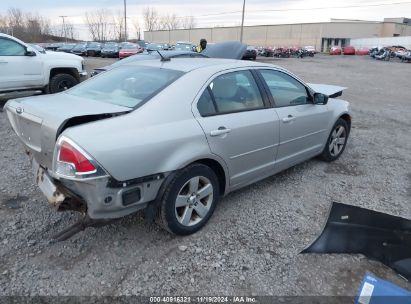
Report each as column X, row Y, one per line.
column 330, row 90
column 226, row 50
column 39, row 120
column 60, row 55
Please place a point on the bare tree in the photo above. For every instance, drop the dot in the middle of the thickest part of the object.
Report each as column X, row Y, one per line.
column 118, row 26
column 169, row 22
column 98, row 24
column 137, row 27
column 151, row 19
column 188, row 22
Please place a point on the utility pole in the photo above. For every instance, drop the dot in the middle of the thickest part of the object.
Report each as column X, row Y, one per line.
column 64, row 27
column 242, row 23
column 125, row 20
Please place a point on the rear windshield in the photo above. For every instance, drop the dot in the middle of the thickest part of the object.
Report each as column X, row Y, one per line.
column 126, row 86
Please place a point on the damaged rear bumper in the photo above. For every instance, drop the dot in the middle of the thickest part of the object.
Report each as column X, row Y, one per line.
column 97, row 197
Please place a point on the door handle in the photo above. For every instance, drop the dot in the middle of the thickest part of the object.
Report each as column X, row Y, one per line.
column 220, row 131
column 289, row 118
column 1, row 61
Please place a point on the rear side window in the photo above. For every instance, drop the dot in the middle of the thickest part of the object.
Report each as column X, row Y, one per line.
column 286, row 91
column 205, row 104
column 233, row 92
column 11, row 48
column 126, row 86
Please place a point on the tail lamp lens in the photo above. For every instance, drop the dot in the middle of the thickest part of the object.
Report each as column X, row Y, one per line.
column 71, row 161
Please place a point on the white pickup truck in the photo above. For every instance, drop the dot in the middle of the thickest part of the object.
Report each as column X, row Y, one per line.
column 23, row 67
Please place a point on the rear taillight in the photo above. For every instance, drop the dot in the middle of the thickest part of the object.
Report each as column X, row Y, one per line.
column 68, row 154
column 72, row 161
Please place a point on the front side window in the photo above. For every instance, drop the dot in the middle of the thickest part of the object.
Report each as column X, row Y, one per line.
column 11, row 48
column 286, row 90
column 236, row 91
column 126, row 86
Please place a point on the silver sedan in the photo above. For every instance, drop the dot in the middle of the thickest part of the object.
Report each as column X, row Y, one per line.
column 175, row 136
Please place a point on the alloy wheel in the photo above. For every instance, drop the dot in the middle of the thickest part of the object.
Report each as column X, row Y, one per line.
column 194, row 201
column 337, row 141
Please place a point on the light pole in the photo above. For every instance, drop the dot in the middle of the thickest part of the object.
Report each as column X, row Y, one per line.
column 64, row 27
column 242, row 23
column 125, row 20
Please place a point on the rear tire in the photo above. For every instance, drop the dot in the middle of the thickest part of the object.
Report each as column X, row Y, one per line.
column 189, row 200
column 336, row 142
column 61, row 82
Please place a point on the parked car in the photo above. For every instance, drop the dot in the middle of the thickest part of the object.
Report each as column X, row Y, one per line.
column 406, row 57
column 155, row 47
column 110, row 50
column 93, row 49
column 184, row 46
column 310, row 49
column 129, row 49
column 348, row 50
column 192, row 131
column 26, row 67
column 66, row 48
column 268, row 52
column 250, row 53
column 148, row 56
column 362, row 51
column 80, row 49
column 53, row 46
column 335, row 50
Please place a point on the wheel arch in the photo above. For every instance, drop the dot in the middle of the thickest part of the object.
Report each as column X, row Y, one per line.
column 71, row 71
column 219, row 171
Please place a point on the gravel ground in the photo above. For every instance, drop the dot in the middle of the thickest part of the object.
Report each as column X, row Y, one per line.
column 251, row 245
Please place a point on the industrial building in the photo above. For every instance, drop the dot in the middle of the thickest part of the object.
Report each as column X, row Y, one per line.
column 321, row 35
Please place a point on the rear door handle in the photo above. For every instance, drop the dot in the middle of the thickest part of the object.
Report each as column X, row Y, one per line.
column 2, row 61
column 289, row 118
column 220, row 131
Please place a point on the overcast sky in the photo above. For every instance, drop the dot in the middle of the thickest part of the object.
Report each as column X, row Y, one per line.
column 227, row 11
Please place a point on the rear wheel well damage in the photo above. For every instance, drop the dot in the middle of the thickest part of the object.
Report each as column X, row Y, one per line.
column 218, row 170
column 71, row 71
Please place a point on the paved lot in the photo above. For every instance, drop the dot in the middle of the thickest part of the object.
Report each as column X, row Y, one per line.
column 251, row 245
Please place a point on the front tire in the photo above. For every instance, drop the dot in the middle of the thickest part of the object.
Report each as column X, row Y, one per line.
column 189, row 200
column 61, row 82
column 337, row 141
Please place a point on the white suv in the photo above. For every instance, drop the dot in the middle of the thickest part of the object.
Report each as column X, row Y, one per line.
column 23, row 67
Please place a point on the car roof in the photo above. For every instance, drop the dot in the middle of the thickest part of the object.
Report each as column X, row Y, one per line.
column 190, row 64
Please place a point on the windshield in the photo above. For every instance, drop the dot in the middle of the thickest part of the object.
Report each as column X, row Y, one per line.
column 135, row 58
column 38, row 48
column 126, row 86
column 80, row 46
column 154, row 47
column 184, row 47
column 130, row 47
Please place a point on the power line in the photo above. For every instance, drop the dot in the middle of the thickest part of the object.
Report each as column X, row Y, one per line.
column 299, row 9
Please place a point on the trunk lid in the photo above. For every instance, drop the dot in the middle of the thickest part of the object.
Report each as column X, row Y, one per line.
column 39, row 120
column 226, row 50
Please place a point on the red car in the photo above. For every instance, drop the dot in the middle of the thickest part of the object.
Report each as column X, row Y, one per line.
column 362, row 51
column 129, row 50
column 349, row 50
column 335, row 50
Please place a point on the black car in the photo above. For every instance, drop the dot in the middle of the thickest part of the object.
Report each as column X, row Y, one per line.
column 53, row 46
column 148, row 56
column 66, row 48
column 250, row 53
column 93, row 49
column 110, row 50
column 80, row 49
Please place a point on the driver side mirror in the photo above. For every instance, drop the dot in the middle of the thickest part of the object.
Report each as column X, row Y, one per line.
column 320, row 98
column 30, row 53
